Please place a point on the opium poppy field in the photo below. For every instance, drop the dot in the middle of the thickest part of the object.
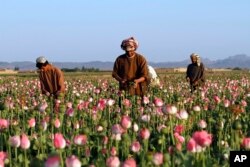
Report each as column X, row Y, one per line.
column 168, row 127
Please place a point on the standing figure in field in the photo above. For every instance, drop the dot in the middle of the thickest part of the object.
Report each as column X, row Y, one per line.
column 195, row 74
column 51, row 78
column 130, row 69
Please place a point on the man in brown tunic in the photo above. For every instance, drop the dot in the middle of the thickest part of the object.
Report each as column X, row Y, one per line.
column 51, row 78
column 195, row 74
column 130, row 69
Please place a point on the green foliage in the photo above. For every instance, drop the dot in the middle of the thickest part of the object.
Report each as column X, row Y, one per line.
column 20, row 100
column 237, row 68
column 83, row 69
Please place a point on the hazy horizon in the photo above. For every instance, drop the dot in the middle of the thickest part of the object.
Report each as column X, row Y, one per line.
column 178, row 61
column 83, row 31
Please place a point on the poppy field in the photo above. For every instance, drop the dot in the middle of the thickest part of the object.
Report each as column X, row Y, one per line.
column 87, row 127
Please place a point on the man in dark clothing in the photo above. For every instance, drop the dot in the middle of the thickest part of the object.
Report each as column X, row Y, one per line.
column 195, row 72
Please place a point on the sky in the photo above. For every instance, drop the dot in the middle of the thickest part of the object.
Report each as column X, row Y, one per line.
column 92, row 30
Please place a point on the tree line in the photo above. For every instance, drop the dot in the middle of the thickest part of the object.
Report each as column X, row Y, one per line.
column 83, row 69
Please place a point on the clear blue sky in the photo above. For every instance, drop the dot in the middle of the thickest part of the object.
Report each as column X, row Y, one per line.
column 89, row 30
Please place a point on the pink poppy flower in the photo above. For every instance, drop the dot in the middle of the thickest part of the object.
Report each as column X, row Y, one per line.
column 73, row 161
column 117, row 129
column 57, row 123
column 4, row 124
column 202, row 124
column 59, row 141
column 44, row 125
column 178, row 146
column 3, row 156
column 158, row 102
column 145, row 118
column 197, row 108
column 126, row 122
column 182, row 114
column 80, row 139
column 158, row 159
column 246, row 143
column 169, row 109
column 101, row 104
column 243, row 103
column 1, row 163
column 110, row 102
column 179, row 138
column 130, row 162
column 202, row 138
column 217, row 99
column 97, row 90
column 191, row 145
column 69, row 105
column 42, row 107
column 15, row 141
column 179, row 129
column 144, row 133
column 32, row 122
column 53, row 161
column 113, row 161
column 113, row 151
column 203, row 93
column 226, row 103
column 57, row 101
column 105, row 140
column 145, row 100
column 135, row 146
column 25, row 142
column 117, row 137
column 70, row 112
column 126, row 103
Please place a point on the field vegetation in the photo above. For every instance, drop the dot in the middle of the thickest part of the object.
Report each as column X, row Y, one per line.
column 168, row 127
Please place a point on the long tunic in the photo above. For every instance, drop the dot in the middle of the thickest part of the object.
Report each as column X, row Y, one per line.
column 51, row 79
column 196, row 73
column 129, row 69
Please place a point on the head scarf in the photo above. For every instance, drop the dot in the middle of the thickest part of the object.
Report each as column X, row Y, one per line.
column 198, row 59
column 129, row 44
column 41, row 59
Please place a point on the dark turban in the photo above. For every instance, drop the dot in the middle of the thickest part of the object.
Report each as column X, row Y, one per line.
column 129, row 44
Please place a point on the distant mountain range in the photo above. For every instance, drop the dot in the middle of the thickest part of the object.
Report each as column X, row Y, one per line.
column 240, row 61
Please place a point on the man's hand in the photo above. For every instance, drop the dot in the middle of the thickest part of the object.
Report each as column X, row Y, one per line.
column 135, row 83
